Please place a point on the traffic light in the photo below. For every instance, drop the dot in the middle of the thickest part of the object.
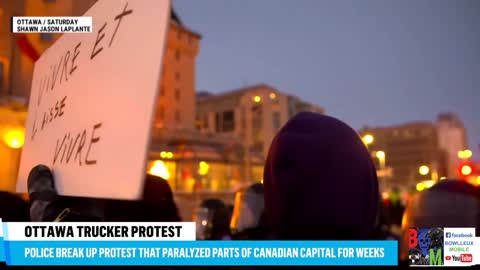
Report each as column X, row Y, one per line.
column 466, row 169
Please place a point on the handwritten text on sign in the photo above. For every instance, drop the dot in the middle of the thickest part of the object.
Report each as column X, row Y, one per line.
column 92, row 102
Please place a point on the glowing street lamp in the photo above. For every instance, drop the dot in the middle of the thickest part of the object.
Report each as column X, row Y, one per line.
column 465, row 154
column 466, row 170
column 203, row 168
column 165, row 154
column 423, row 170
column 420, row 186
column 381, row 158
column 159, row 169
column 257, row 99
column 14, row 138
column 367, row 139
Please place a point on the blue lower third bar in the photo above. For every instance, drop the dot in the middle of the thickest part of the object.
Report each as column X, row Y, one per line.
column 2, row 249
column 194, row 253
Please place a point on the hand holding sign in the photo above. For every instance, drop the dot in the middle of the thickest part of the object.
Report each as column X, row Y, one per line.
column 92, row 102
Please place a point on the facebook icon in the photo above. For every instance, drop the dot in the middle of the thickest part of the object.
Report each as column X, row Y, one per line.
column 449, row 234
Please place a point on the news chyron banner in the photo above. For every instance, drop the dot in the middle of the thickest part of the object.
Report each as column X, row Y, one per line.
column 2, row 250
column 174, row 244
column 443, row 247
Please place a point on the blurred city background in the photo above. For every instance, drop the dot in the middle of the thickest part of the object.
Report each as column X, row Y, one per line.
column 405, row 74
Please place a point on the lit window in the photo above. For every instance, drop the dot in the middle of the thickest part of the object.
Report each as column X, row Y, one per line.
column 177, row 94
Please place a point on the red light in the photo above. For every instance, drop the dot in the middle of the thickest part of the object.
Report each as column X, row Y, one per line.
column 466, row 169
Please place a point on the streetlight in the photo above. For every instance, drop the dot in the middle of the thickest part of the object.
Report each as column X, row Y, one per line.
column 14, row 138
column 165, row 154
column 159, row 169
column 466, row 170
column 423, row 170
column 420, row 186
column 381, row 158
column 367, row 139
column 465, row 154
column 203, row 168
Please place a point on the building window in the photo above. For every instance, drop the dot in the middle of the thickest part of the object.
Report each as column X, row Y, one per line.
column 228, row 121
column 177, row 55
column 177, row 116
column 257, row 117
column 205, row 121
column 179, row 34
column 1, row 77
column 162, row 91
column 276, row 120
column 243, row 120
column 217, row 122
column 177, row 94
column 190, row 40
column 46, row 37
column 161, row 113
column 49, row 1
column 198, row 124
column 177, row 76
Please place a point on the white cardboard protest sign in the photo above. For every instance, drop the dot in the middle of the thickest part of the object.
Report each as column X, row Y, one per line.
column 92, row 102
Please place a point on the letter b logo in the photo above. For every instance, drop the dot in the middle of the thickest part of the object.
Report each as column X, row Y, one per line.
column 412, row 238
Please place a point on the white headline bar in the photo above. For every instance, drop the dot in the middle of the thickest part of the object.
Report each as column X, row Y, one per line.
column 26, row 24
column 111, row 231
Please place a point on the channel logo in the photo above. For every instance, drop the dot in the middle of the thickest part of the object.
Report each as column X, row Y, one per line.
column 459, row 246
column 464, row 258
column 425, row 246
column 458, row 235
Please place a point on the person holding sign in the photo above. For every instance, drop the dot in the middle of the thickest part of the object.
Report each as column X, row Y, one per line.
column 46, row 205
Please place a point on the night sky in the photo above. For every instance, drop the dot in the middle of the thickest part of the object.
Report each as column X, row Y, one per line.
column 366, row 62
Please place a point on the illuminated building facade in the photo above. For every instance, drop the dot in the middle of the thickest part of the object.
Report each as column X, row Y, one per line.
column 407, row 147
column 254, row 114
